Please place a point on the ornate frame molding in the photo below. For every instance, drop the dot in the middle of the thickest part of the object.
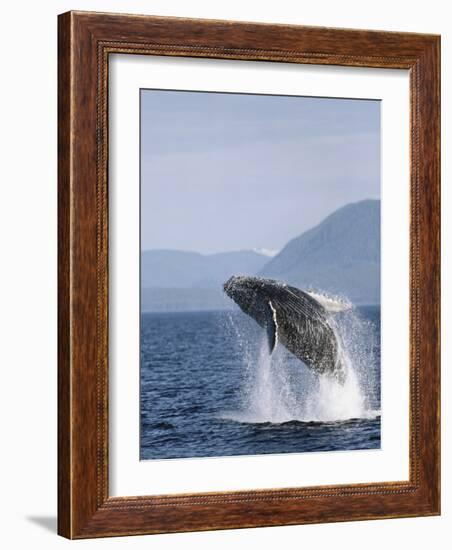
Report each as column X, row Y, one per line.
column 85, row 42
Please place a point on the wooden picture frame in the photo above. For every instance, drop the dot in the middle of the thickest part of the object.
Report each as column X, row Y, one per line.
column 85, row 42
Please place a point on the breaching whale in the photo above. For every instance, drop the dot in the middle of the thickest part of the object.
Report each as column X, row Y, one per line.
column 299, row 320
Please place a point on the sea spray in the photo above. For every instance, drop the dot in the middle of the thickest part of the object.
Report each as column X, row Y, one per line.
column 278, row 388
column 270, row 397
column 359, row 340
column 332, row 401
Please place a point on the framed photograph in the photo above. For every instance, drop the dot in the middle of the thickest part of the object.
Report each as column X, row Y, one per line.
column 249, row 260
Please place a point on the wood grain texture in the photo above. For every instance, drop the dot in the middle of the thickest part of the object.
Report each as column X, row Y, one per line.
column 64, row 295
column 85, row 42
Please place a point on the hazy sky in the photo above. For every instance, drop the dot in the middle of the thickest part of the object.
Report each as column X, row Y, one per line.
column 232, row 171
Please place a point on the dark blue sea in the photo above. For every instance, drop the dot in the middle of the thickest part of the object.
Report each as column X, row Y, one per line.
column 209, row 388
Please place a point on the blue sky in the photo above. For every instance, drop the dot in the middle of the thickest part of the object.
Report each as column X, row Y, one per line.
column 224, row 172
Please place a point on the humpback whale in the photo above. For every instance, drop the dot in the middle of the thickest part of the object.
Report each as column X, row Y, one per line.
column 299, row 320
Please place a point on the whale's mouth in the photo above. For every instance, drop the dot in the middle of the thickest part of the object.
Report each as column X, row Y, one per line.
column 236, row 286
column 244, row 291
column 228, row 286
column 247, row 283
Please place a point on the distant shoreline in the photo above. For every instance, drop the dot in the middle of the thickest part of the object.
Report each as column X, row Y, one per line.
column 224, row 310
column 340, row 256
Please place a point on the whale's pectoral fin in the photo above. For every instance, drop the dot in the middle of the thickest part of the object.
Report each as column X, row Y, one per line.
column 271, row 326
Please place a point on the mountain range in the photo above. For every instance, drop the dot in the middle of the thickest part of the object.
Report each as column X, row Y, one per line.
column 178, row 269
column 341, row 256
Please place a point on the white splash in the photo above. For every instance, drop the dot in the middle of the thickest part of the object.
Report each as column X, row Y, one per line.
column 332, row 401
column 332, row 304
column 278, row 388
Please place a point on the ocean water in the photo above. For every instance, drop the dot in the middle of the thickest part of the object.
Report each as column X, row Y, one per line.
column 209, row 388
